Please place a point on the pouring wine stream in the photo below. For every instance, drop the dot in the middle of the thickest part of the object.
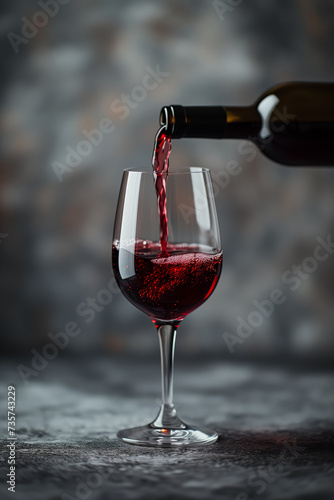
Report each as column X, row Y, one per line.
column 160, row 164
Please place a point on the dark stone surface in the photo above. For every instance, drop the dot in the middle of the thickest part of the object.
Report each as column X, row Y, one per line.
column 276, row 433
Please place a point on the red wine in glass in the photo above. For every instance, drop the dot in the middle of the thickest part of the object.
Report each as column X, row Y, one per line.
column 167, row 281
column 167, row 286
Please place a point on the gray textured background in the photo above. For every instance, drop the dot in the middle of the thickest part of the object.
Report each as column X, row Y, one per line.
column 64, row 80
column 55, row 241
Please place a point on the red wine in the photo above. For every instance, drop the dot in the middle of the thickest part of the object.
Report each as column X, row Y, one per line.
column 166, row 287
column 292, row 123
column 160, row 164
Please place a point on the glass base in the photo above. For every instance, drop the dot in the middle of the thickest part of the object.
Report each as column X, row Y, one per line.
column 149, row 435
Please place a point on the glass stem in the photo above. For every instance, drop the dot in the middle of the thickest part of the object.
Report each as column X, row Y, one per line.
column 167, row 417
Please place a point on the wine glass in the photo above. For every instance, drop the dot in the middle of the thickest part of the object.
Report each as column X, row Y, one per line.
column 167, row 285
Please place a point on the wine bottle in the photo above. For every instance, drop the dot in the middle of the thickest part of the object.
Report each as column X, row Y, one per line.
column 292, row 123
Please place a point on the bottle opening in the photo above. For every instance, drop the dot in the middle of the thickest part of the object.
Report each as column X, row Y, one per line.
column 167, row 119
column 174, row 118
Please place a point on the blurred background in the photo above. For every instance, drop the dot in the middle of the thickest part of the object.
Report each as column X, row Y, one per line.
column 66, row 67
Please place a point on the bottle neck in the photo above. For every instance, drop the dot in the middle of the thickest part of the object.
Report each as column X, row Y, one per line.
column 242, row 122
column 211, row 122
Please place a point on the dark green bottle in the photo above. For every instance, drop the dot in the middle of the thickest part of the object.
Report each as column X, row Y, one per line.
column 292, row 123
